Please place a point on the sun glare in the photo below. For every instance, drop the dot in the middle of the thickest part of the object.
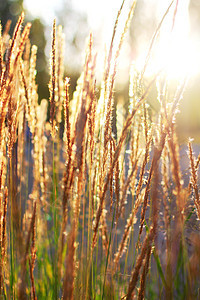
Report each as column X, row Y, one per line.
column 178, row 58
column 176, row 52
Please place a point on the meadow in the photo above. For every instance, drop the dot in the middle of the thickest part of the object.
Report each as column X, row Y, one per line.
column 93, row 204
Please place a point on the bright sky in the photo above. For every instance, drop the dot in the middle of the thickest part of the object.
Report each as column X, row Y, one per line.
column 97, row 15
column 93, row 8
column 42, row 8
column 179, row 51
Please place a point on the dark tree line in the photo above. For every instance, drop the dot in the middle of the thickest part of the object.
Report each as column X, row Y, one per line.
column 10, row 10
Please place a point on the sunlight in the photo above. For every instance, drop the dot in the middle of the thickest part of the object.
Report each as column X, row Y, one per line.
column 176, row 52
column 180, row 60
column 100, row 180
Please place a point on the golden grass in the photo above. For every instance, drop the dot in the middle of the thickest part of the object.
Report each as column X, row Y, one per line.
column 87, row 225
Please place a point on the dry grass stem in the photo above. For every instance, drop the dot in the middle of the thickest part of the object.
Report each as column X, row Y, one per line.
column 91, row 183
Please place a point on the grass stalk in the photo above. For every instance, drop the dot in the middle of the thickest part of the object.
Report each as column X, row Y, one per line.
column 99, row 236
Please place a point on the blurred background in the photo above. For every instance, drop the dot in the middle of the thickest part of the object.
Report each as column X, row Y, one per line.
column 178, row 52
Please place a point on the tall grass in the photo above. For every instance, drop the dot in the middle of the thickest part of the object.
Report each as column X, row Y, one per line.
column 95, row 214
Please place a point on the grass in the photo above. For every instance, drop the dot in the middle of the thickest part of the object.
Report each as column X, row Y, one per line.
column 95, row 214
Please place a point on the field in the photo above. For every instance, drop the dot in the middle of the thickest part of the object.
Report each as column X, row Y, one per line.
column 95, row 203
